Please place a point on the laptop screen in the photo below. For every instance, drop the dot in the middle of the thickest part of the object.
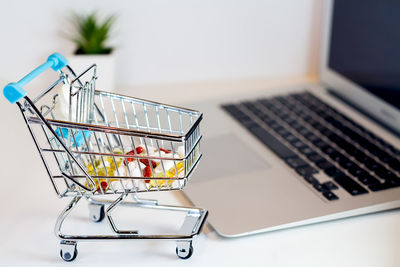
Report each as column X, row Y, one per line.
column 365, row 45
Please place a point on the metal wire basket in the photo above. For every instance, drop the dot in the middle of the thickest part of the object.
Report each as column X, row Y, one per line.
column 96, row 143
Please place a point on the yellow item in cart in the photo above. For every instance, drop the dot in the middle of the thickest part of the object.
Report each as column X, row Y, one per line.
column 180, row 166
column 171, row 173
column 104, row 167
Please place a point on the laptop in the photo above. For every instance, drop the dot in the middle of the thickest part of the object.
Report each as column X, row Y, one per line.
column 316, row 152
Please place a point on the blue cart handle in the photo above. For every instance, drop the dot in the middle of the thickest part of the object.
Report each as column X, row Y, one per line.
column 15, row 91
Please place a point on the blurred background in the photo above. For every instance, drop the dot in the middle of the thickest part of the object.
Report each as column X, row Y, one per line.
column 171, row 43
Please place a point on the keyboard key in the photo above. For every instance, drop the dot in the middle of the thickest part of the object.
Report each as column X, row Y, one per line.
column 304, row 131
column 394, row 164
column 368, row 180
column 317, row 125
column 386, row 174
column 320, row 187
column 334, row 172
column 289, row 120
column 361, row 156
column 331, row 170
column 330, row 185
column 357, row 172
column 294, row 141
column 276, row 126
column 313, row 138
column 375, row 166
column 298, row 144
column 330, row 196
column 382, row 155
column 329, row 150
column 291, row 138
column 283, row 132
column 315, row 157
column 393, row 181
column 297, row 162
column 336, row 156
column 321, row 144
column 297, row 126
column 372, row 148
column 306, row 170
column 346, row 163
column 343, row 144
column 350, row 185
column 383, row 186
column 324, row 164
column 311, row 179
column 274, row 144
column 306, row 150
column 268, row 120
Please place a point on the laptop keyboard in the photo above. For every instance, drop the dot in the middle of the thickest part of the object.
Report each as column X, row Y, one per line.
column 312, row 137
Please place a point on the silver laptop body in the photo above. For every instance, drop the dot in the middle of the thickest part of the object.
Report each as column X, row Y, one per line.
column 248, row 189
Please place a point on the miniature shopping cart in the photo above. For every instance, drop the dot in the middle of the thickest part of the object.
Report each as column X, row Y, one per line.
column 95, row 143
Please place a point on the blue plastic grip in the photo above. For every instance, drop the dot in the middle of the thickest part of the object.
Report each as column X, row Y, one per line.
column 15, row 91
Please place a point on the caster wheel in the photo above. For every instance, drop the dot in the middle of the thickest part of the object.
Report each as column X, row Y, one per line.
column 184, row 253
column 96, row 212
column 68, row 252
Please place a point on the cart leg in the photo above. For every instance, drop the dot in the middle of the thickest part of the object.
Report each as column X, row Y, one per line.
column 184, row 249
column 68, row 251
column 62, row 216
column 111, row 221
column 96, row 212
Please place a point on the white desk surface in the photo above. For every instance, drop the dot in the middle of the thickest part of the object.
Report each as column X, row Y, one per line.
column 29, row 210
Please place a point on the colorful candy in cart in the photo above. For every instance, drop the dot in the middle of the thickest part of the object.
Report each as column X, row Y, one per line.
column 136, row 167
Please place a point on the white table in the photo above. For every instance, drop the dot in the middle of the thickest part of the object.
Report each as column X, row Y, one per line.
column 30, row 208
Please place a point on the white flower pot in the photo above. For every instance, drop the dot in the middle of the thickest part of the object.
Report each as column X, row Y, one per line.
column 105, row 69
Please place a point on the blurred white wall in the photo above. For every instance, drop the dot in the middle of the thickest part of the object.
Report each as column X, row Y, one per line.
column 174, row 41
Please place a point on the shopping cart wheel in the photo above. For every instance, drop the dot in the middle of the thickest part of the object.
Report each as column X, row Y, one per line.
column 68, row 251
column 184, row 249
column 96, row 212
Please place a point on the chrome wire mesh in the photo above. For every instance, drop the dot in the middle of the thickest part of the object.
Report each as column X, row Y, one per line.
column 125, row 144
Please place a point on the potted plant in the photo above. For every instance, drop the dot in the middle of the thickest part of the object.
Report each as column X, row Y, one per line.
column 91, row 35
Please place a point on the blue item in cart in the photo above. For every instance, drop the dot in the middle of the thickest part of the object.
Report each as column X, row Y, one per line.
column 15, row 91
column 78, row 136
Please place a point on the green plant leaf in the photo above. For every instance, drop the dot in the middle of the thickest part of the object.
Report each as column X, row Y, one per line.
column 91, row 34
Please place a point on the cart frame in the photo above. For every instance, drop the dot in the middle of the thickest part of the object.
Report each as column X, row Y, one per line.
column 74, row 171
